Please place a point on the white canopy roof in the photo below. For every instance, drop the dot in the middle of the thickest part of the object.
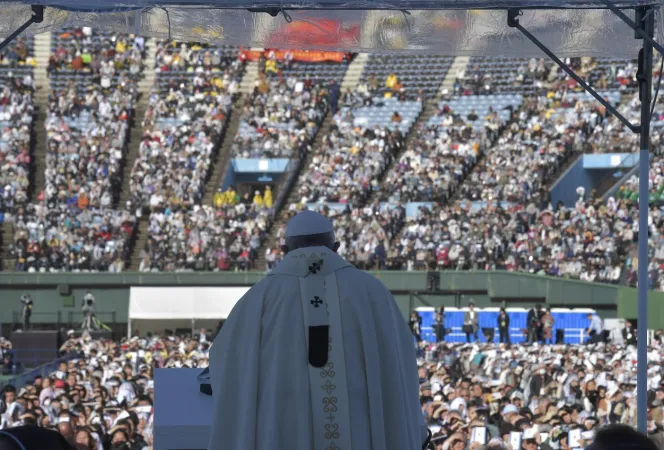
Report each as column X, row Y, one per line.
column 449, row 27
column 172, row 303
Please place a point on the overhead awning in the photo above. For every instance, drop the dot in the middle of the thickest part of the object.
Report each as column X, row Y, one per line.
column 447, row 27
column 172, row 303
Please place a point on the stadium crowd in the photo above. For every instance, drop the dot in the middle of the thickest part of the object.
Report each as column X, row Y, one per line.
column 279, row 118
column 584, row 242
column 476, row 396
column 503, row 159
column 205, row 238
column 66, row 238
column 281, row 115
column 519, row 229
column 16, row 127
column 187, row 112
column 74, row 226
column 101, row 396
column 347, row 165
column 17, row 88
column 491, row 75
column 93, row 92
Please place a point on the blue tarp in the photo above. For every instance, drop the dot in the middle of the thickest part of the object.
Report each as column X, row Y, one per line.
column 574, row 322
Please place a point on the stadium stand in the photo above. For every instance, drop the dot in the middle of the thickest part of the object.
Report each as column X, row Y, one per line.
column 16, row 121
column 488, row 75
column 531, row 77
column 75, row 228
column 517, row 124
column 183, row 125
column 406, row 77
column 183, row 128
column 283, row 112
column 444, row 150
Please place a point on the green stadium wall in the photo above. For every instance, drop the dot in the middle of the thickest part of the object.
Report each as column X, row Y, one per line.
column 62, row 293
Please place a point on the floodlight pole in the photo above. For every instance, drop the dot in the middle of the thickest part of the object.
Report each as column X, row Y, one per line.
column 643, row 28
column 645, row 22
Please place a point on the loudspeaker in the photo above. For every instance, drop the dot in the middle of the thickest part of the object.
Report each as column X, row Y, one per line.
column 34, row 348
column 433, row 281
column 64, row 289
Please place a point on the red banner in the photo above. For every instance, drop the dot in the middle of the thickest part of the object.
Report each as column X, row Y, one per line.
column 316, row 32
column 297, row 55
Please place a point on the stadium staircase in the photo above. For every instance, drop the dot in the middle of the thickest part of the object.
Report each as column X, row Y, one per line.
column 144, row 89
column 292, row 196
column 249, row 78
column 8, row 264
column 42, row 53
column 428, row 111
column 354, row 72
column 460, row 63
column 145, row 86
column 140, row 239
column 221, row 162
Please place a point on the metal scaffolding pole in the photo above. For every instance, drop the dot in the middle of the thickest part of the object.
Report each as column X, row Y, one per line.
column 645, row 21
column 644, row 29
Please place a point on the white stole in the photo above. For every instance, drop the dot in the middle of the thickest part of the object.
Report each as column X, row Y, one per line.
column 327, row 384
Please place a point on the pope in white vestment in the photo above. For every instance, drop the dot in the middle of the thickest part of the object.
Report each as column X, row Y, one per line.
column 316, row 356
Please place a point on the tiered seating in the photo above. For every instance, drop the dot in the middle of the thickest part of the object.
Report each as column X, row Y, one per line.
column 490, row 75
column 318, row 72
column 345, row 170
column 497, row 75
column 417, row 74
column 183, row 127
column 280, row 120
column 477, row 152
column 16, row 112
column 186, row 60
column 281, row 116
column 614, row 73
column 93, row 81
column 364, row 233
column 183, row 124
column 445, row 149
column 474, row 109
column 200, row 239
column 386, row 113
column 62, row 238
column 566, row 242
column 356, row 152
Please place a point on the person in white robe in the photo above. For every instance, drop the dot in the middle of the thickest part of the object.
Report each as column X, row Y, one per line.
column 316, row 356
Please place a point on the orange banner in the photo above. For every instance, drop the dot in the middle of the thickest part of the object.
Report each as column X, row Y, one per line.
column 297, row 55
column 316, row 32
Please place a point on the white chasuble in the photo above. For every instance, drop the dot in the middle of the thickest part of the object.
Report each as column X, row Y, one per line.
column 327, row 384
column 316, row 356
